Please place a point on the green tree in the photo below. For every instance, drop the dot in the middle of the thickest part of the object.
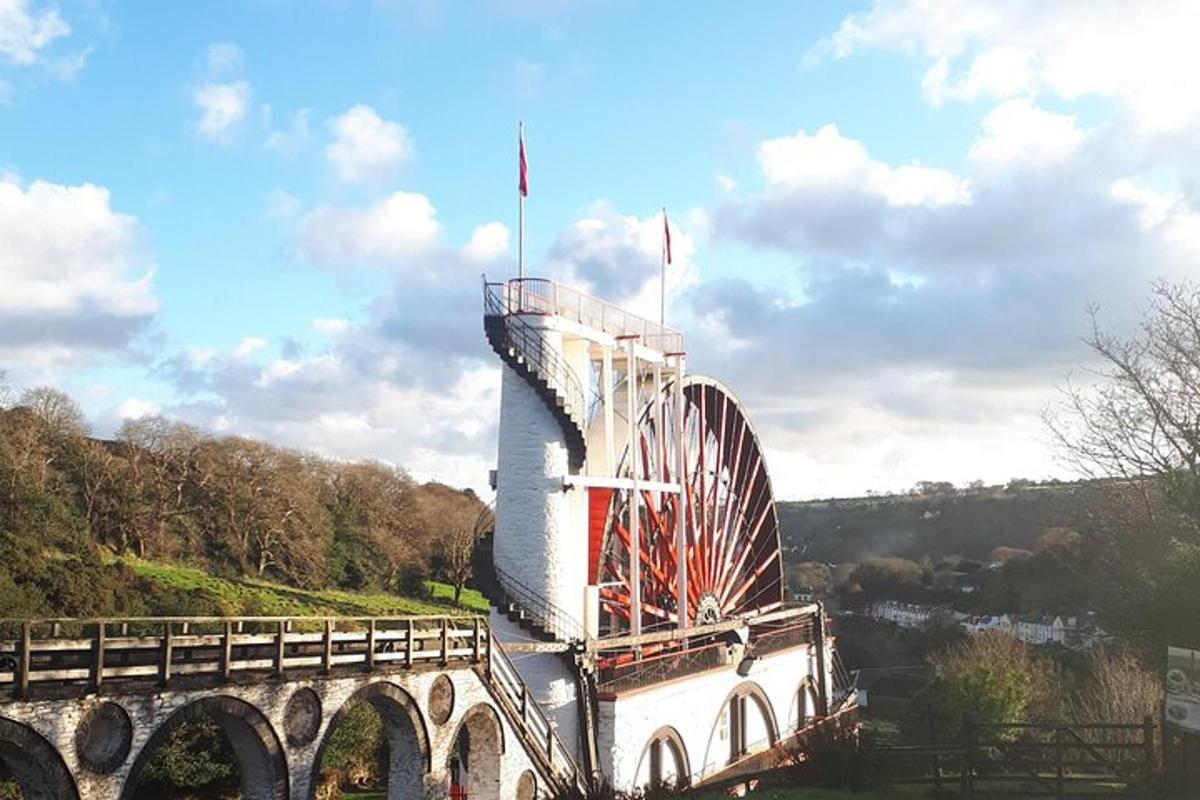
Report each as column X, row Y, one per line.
column 991, row 677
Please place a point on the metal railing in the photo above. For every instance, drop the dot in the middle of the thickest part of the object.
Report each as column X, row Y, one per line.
column 544, row 296
column 522, row 709
column 86, row 654
column 523, row 340
column 544, row 614
column 654, row 670
column 772, row 640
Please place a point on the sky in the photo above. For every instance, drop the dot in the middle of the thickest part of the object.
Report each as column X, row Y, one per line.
column 890, row 219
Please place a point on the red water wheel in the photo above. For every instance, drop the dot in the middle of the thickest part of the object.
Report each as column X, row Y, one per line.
column 727, row 511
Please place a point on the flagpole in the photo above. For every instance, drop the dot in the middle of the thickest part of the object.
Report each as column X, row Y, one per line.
column 662, row 285
column 521, row 214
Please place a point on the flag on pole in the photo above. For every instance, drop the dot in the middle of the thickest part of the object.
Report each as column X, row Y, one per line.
column 523, row 185
column 667, row 235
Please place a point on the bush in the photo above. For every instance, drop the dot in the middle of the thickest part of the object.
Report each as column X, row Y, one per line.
column 838, row 757
column 991, row 677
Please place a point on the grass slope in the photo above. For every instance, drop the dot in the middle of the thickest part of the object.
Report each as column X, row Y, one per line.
column 253, row 597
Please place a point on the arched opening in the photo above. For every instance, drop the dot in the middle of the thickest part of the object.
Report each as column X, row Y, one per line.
column 664, row 761
column 33, row 764
column 803, row 712
column 211, row 744
column 377, row 737
column 745, row 725
column 475, row 758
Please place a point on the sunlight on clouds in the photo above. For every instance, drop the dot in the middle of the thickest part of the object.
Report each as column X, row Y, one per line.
column 365, row 145
column 24, row 32
column 827, row 159
column 1017, row 133
column 399, row 226
column 222, row 106
column 1131, row 50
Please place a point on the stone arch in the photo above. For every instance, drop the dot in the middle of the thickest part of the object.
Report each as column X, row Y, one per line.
column 408, row 739
column 664, row 760
column 484, row 737
column 260, row 755
column 805, row 703
column 35, row 763
column 740, row 726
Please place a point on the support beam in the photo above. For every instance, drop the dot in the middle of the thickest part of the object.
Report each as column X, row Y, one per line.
column 681, row 555
column 635, row 533
column 606, row 391
column 599, row 481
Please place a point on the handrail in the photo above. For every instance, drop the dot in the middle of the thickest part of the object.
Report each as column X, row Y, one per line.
column 545, row 296
column 524, row 711
column 524, row 339
column 83, row 654
column 547, row 615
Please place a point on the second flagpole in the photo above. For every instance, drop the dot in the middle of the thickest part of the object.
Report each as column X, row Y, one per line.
column 521, row 203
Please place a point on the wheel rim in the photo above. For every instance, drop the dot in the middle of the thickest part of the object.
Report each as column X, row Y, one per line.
column 733, row 556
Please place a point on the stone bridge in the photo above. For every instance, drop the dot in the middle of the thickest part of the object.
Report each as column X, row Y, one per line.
column 87, row 702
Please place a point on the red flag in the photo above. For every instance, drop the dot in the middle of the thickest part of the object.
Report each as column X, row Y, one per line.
column 523, row 185
column 667, row 234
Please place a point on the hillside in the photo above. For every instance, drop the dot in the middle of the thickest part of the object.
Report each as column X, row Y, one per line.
column 969, row 523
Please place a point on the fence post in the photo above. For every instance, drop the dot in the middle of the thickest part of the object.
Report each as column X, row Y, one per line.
column 476, row 640
column 227, row 650
column 408, row 645
column 1148, row 736
column 98, row 661
column 165, row 673
column 1058, row 759
column 371, row 644
column 280, row 637
column 445, row 641
column 968, row 775
column 24, row 660
column 327, row 654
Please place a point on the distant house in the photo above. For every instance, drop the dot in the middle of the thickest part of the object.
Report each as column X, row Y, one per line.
column 804, row 594
column 906, row 615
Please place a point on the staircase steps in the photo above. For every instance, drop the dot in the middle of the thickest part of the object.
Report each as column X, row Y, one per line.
column 504, row 341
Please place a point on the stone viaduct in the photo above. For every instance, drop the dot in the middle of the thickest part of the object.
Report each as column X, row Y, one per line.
column 89, row 701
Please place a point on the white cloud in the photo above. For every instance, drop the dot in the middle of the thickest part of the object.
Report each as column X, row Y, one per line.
column 135, row 408
column 248, row 346
column 290, row 140
column 390, row 232
column 1141, row 54
column 619, row 257
column 331, row 326
column 73, row 271
column 1019, row 134
column 828, row 160
column 365, row 145
column 222, row 107
column 25, row 33
column 223, row 60
column 488, row 242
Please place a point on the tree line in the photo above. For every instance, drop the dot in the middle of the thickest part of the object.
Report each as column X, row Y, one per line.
column 165, row 490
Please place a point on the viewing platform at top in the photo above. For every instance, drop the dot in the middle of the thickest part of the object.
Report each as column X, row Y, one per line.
column 545, row 296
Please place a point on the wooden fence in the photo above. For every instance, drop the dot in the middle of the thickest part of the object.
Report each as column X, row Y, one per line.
column 1015, row 759
column 87, row 655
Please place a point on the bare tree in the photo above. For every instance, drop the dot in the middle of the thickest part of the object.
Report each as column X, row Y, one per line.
column 457, row 520
column 1141, row 419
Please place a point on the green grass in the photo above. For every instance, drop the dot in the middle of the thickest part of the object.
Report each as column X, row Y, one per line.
column 250, row 596
column 813, row 793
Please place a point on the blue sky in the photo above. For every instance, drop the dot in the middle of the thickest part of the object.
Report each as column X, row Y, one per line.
column 269, row 218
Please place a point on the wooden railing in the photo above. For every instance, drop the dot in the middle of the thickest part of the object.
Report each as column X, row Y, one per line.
column 542, row 740
column 92, row 653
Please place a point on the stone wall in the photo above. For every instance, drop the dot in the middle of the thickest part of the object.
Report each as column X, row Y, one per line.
column 278, row 732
